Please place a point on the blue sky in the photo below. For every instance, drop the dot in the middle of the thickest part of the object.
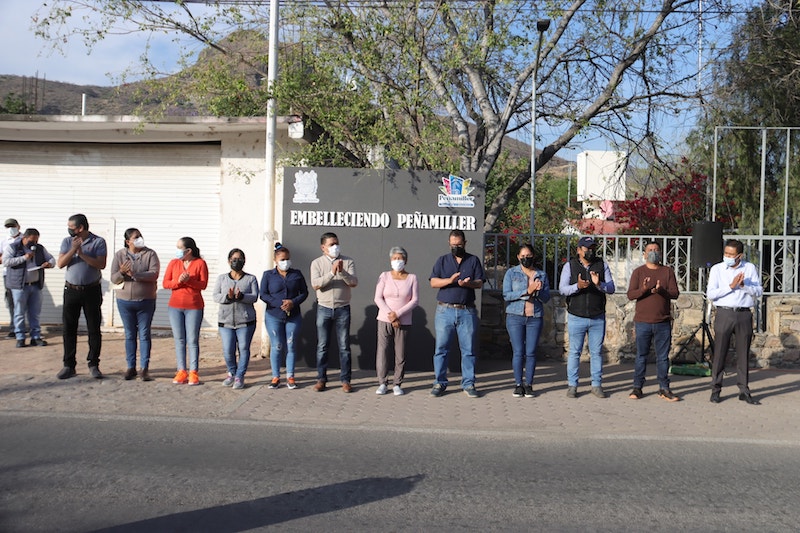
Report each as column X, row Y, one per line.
column 25, row 55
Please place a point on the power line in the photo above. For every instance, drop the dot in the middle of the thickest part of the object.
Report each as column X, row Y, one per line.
column 468, row 3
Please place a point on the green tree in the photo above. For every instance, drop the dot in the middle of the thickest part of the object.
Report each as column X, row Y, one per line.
column 13, row 104
column 755, row 87
column 437, row 84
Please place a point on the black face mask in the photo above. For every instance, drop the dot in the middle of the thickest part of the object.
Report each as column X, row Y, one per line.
column 237, row 265
column 72, row 232
column 590, row 255
column 458, row 251
column 526, row 262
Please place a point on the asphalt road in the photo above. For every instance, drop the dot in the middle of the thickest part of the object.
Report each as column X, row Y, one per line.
column 123, row 474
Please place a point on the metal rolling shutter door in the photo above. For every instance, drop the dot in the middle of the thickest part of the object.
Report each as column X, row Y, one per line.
column 166, row 190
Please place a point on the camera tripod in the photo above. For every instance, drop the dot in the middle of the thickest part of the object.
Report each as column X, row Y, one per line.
column 706, row 329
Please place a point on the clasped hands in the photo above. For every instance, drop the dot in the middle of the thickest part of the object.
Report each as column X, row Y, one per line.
column 394, row 319
column 583, row 283
column 534, row 285
column 466, row 282
column 654, row 289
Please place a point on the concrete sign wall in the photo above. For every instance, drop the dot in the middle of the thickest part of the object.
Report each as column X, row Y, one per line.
column 371, row 211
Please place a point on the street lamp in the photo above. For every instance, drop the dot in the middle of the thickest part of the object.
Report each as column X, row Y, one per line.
column 541, row 26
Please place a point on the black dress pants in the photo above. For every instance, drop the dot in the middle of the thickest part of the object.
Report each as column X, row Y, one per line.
column 731, row 322
column 89, row 300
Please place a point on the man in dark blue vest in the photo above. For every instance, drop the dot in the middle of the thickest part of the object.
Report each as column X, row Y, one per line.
column 25, row 261
column 585, row 281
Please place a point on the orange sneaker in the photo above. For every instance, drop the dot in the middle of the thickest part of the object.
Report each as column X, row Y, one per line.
column 181, row 378
column 275, row 383
column 194, row 379
column 290, row 382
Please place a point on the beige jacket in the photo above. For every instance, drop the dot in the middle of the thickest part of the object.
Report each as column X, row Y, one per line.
column 333, row 291
column 144, row 283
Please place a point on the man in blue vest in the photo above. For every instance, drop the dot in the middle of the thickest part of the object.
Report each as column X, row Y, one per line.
column 585, row 281
column 25, row 261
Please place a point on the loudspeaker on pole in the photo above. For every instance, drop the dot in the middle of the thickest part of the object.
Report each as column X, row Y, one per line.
column 706, row 243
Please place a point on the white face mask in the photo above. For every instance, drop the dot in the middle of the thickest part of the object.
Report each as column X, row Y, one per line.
column 13, row 232
column 284, row 264
column 398, row 265
column 333, row 250
column 179, row 253
column 729, row 261
column 138, row 242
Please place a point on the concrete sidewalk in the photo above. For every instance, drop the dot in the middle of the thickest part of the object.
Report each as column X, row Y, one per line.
column 28, row 384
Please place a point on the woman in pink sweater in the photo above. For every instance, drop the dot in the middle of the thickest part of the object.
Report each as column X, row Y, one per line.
column 396, row 295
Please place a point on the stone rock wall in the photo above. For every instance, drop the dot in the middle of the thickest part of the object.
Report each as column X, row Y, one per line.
column 777, row 344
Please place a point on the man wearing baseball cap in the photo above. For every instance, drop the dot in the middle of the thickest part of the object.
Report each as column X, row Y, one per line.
column 12, row 227
column 585, row 281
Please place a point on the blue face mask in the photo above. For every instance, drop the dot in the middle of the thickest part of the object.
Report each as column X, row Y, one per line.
column 729, row 261
column 179, row 253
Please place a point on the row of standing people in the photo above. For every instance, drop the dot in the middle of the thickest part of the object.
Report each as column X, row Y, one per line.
column 585, row 281
column 733, row 287
column 284, row 288
column 135, row 271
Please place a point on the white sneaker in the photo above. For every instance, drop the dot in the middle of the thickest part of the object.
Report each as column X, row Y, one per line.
column 397, row 390
column 381, row 389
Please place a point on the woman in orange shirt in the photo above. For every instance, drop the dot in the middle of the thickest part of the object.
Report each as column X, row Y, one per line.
column 187, row 276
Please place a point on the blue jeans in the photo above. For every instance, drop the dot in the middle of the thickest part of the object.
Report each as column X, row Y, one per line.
column 186, row 331
column 463, row 323
column 284, row 333
column 660, row 335
column 233, row 338
column 137, row 317
column 523, row 331
column 27, row 302
column 340, row 319
column 578, row 328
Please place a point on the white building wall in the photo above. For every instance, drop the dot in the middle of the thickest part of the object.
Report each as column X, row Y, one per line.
column 213, row 191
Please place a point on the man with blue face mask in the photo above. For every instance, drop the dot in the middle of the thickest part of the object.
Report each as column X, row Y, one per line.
column 733, row 286
column 653, row 286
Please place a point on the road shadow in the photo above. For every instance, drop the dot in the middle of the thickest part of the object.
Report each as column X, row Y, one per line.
column 272, row 510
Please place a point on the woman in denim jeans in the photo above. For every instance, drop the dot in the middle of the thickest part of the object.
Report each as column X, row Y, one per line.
column 136, row 267
column 187, row 276
column 525, row 289
column 283, row 289
column 236, row 292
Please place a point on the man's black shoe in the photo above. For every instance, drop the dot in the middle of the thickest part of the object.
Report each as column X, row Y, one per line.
column 745, row 397
column 21, row 344
column 715, row 397
column 95, row 372
column 38, row 342
column 11, row 334
column 66, row 372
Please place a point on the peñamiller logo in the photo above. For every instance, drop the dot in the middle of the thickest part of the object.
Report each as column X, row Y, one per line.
column 456, row 192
